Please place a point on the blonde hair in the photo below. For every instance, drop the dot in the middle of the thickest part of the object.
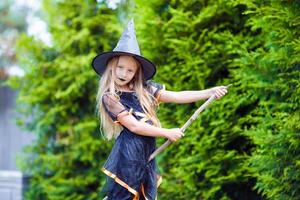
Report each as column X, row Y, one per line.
column 107, row 84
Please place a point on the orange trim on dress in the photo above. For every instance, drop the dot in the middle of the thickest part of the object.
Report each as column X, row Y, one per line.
column 123, row 113
column 159, row 180
column 130, row 189
column 143, row 192
column 158, row 96
column 122, row 183
column 117, row 122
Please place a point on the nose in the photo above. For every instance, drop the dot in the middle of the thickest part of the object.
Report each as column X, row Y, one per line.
column 123, row 74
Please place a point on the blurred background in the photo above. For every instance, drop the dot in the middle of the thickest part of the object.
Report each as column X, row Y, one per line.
column 244, row 146
column 15, row 20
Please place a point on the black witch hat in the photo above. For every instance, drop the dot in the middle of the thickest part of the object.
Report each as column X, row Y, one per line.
column 127, row 45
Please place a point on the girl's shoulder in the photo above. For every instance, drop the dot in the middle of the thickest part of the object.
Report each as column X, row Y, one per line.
column 153, row 87
column 151, row 83
column 110, row 95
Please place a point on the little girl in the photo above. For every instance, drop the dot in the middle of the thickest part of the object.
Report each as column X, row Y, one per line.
column 127, row 101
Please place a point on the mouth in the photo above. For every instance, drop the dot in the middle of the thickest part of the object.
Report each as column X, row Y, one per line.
column 122, row 79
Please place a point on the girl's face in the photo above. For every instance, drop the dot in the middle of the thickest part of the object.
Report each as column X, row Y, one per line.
column 125, row 70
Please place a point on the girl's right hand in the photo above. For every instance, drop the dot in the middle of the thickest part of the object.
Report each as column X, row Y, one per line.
column 174, row 134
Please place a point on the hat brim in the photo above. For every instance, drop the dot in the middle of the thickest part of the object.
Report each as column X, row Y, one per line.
column 100, row 61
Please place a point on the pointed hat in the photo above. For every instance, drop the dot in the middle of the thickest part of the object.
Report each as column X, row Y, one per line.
column 127, row 45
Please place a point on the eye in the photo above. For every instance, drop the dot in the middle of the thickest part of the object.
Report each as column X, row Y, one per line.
column 121, row 67
column 130, row 70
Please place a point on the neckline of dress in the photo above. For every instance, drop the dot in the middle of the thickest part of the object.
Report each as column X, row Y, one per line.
column 127, row 91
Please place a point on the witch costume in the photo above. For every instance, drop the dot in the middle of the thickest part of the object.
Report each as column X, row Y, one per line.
column 129, row 174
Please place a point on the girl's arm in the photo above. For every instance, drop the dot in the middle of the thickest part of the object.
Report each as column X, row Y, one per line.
column 190, row 96
column 146, row 129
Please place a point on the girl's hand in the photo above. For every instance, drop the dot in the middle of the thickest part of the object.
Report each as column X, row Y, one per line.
column 219, row 91
column 174, row 134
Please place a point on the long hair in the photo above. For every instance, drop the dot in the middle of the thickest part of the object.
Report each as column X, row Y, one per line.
column 107, row 84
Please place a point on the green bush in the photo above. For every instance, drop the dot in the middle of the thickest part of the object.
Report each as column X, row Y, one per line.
column 253, row 45
column 58, row 94
column 272, row 73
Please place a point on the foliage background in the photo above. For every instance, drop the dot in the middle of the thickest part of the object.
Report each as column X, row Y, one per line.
column 12, row 23
column 245, row 146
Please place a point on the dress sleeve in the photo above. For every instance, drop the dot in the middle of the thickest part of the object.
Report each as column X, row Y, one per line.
column 155, row 89
column 114, row 107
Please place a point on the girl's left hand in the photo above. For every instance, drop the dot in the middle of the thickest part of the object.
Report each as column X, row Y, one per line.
column 219, row 91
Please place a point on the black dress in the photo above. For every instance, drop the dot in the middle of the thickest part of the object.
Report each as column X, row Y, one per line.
column 130, row 175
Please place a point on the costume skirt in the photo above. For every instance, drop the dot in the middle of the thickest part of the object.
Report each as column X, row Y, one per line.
column 129, row 174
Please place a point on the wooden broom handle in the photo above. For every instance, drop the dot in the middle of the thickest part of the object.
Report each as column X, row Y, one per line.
column 185, row 126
